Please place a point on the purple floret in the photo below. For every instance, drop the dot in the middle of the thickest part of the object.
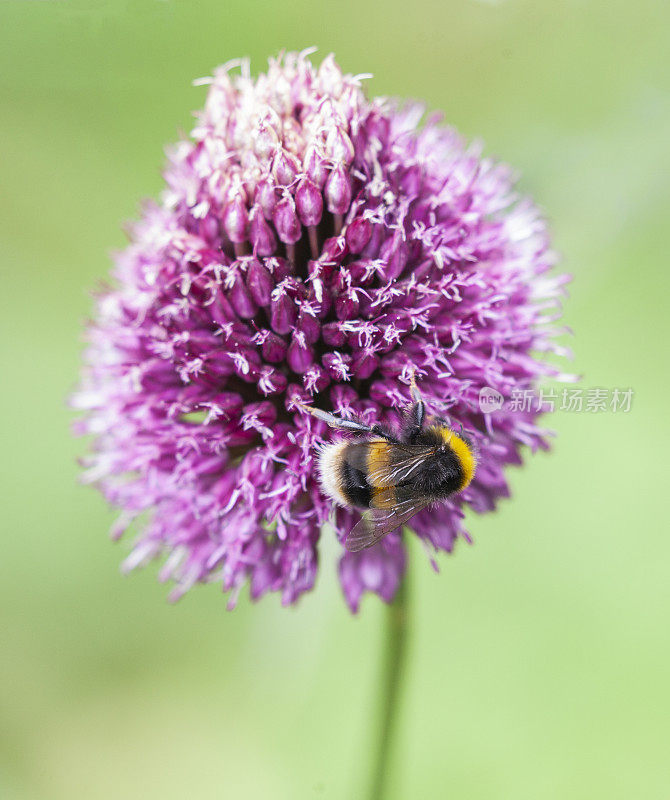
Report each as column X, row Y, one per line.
column 311, row 245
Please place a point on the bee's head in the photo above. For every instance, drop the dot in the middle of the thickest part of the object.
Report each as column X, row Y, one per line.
column 453, row 427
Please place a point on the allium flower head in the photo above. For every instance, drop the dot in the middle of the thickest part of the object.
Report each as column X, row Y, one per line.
column 311, row 245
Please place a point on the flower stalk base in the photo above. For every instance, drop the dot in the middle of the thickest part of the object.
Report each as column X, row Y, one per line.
column 390, row 684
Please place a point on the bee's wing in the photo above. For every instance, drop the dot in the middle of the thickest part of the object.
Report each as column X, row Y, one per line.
column 375, row 523
column 404, row 462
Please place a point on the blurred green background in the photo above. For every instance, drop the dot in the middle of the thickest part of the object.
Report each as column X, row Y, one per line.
column 539, row 657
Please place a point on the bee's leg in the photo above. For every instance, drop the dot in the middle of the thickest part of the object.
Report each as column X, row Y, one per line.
column 380, row 430
column 417, row 413
column 413, row 388
column 336, row 422
column 347, row 424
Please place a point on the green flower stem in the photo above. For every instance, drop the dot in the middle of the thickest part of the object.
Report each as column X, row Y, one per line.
column 392, row 669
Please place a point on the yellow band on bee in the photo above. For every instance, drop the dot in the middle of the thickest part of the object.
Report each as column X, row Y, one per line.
column 463, row 453
column 379, row 458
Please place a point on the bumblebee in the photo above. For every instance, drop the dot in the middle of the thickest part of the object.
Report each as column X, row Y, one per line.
column 390, row 476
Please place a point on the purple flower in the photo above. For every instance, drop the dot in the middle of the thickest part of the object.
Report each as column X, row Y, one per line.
column 311, row 245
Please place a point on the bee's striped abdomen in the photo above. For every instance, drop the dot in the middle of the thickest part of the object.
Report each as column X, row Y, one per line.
column 355, row 486
column 380, row 454
column 348, row 469
column 360, row 461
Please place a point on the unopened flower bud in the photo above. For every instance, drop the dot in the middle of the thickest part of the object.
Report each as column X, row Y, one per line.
column 273, row 348
column 261, row 236
column 265, row 140
column 309, row 325
column 357, row 234
column 242, row 301
column 266, row 197
column 309, row 203
column 300, row 355
column 272, row 381
column 284, row 168
column 365, row 362
column 333, row 334
column 235, row 219
column 394, row 252
column 346, row 305
column 339, row 147
column 286, row 220
column 315, row 166
column 282, row 314
column 259, row 282
column 338, row 190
